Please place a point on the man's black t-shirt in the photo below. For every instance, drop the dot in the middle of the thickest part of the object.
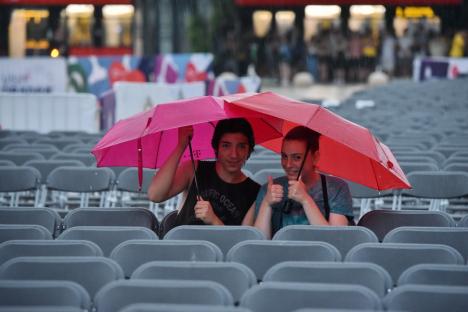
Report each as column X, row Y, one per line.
column 230, row 202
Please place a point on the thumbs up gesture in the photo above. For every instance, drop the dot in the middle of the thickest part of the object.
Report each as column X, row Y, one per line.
column 274, row 192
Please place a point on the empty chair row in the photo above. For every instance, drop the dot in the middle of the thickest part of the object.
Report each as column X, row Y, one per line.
column 269, row 296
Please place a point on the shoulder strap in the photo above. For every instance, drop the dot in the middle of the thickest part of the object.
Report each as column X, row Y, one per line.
column 326, row 206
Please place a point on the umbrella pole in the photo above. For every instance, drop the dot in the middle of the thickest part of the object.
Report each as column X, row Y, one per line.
column 287, row 205
column 194, row 169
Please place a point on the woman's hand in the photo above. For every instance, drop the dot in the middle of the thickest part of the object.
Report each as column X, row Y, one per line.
column 274, row 192
column 185, row 135
column 298, row 191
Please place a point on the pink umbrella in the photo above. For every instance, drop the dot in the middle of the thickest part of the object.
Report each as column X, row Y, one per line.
column 147, row 139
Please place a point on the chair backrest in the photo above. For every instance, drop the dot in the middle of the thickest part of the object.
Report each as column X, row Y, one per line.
column 168, row 307
column 286, row 296
column 23, row 231
column 383, row 221
column 19, row 158
column 435, row 274
column 111, row 217
column 167, row 223
column 225, row 237
column 262, row 175
column 46, row 217
column 395, row 258
column 60, row 143
column 423, row 298
column 51, row 248
column 85, row 158
column 80, row 179
column 43, row 293
column 438, row 184
column 361, row 191
column 463, row 222
column 342, row 237
column 409, row 167
column 254, row 165
column 41, row 309
column 128, row 180
column 6, row 163
column 90, row 272
column 261, row 255
column 119, row 294
column 133, row 253
column 452, row 236
column 369, row 275
column 18, row 179
column 107, row 237
column 46, row 166
column 236, row 277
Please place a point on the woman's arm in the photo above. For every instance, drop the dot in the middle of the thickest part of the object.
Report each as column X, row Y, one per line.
column 274, row 194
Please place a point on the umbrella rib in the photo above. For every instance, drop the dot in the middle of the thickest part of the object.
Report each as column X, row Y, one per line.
column 157, row 149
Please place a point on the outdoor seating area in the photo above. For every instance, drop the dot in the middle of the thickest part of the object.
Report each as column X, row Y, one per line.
column 108, row 259
column 77, row 237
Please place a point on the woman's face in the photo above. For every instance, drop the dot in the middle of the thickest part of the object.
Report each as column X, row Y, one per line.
column 292, row 154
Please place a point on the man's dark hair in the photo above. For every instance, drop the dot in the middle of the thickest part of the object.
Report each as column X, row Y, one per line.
column 233, row 125
column 304, row 134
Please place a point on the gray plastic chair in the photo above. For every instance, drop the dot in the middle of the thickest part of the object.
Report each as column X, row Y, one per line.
column 90, row 272
column 369, row 275
column 423, row 298
column 342, row 237
column 40, row 309
column 46, row 217
column 167, row 223
column 60, row 143
column 262, row 175
column 119, row 294
column 111, row 217
column 86, row 158
column 43, row 293
column 133, row 253
column 236, row 277
column 366, row 196
column 6, row 163
column 395, row 258
column 254, row 165
column 16, row 182
column 285, row 296
column 262, row 255
column 107, row 237
column 383, row 221
column 435, row 274
column 19, row 158
column 48, row 248
column 127, row 184
column 437, row 185
column 225, row 237
column 463, row 222
column 452, row 236
column 167, row 307
column 84, row 181
column 23, row 231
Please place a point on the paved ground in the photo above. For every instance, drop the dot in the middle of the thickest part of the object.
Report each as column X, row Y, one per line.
column 329, row 92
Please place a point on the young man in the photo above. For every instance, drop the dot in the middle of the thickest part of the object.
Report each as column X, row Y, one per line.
column 306, row 196
column 227, row 196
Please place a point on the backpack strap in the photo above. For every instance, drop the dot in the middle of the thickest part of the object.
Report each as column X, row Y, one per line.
column 326, row 206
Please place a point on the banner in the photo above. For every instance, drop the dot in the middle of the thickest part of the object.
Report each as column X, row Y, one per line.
column 33, row 74
column 173, row 68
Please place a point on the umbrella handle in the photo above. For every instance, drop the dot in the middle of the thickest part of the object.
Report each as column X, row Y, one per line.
column 194, row 169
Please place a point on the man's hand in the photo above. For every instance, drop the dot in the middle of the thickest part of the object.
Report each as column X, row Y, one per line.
column 204, row 211
column 274, row 192
column 185, row 134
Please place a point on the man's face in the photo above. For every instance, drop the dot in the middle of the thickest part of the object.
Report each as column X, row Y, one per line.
column 292, row 154
column 233, row 151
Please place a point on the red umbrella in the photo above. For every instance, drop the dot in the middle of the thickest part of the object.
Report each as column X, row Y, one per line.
column 347, row 150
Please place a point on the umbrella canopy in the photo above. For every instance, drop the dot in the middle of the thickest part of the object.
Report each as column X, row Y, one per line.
column 147, row 139
column 347, row 150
